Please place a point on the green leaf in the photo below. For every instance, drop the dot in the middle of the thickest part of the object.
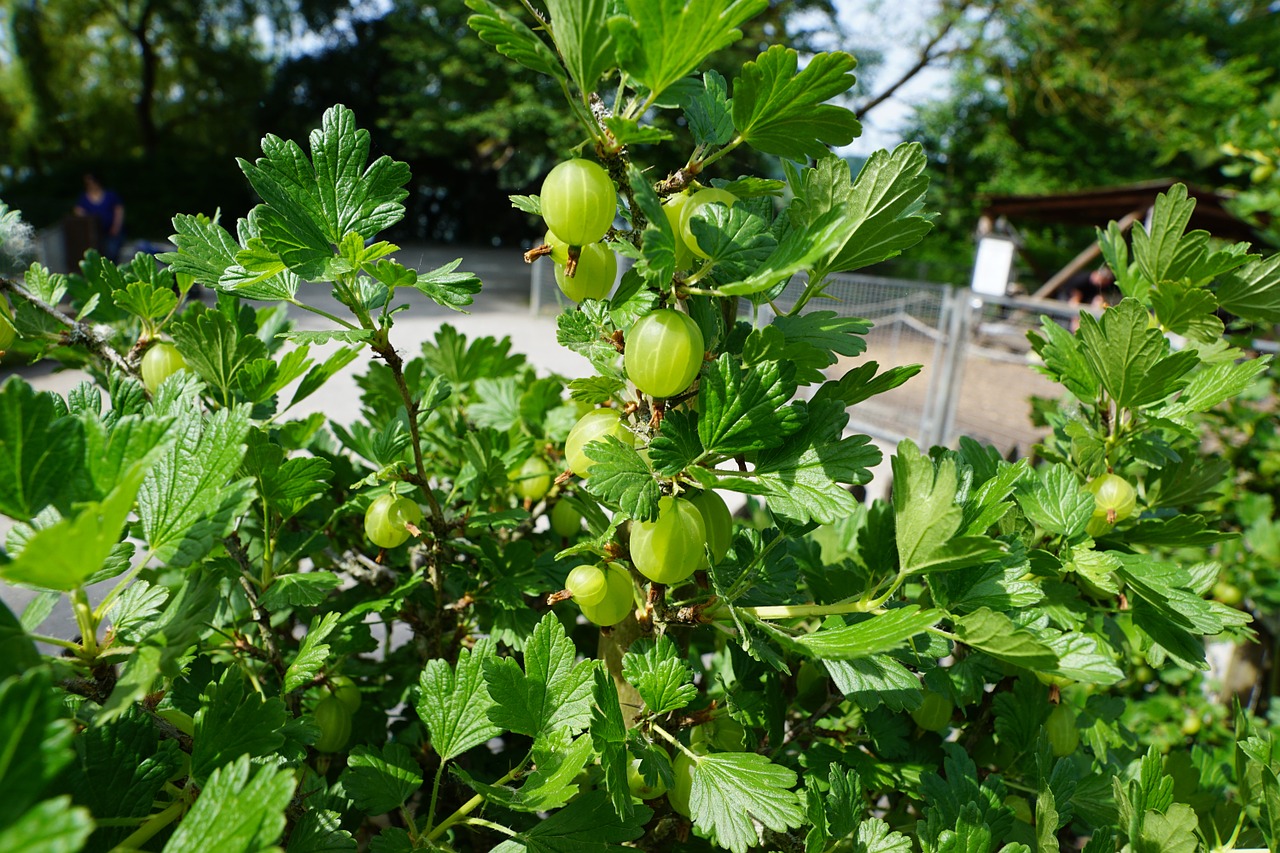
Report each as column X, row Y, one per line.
column 65, row 554
column 1171, row 832
column 448, row 288
column 320, row 374
column 609, row 737
column 736, row 239
column 779, row 112
column 558, row 761
column 627, row 131
column 1156, row 251
column 620, row 477
column 134, row 613
column 1085, row 658
column 552, row 691
column 870, row 682
column 817, row 339
column 263, row 378
column 587, row 825
column 215, row 349
column 863, row 383
column 1053, row 499
column 121, row 768
column 145, row 300
column 658, row 673
column 800, row 248
column 258, row 272
column 928, row 519
column 708, row 115
column 677, row 446
column 661, row 41
column 188, row 499
column 595, row 389
column 285, row 485
column 510, row 37
column 805, row 478
column 1253, row 292
column 995, row 634
column 240, row 810
column 320, row 831
column 454, row 703
column 35, row 744
column 205, row 249
column 324, row 336
column 657, row 261
column 52, row 826
column 17, row 653
column 40, row 451
column 311, row 206
column 1064, row 359
column 876, row 836
column 1213, row 385
column 1187, row 310
column 882, row 209
column 872, row 635
column 582, row 35
column 733, row 790
column 312, row 652
column 381, row 780
column 589, row 332
column 232, row 723
column 1128, row 356
column 745, row 410
column 299, row 590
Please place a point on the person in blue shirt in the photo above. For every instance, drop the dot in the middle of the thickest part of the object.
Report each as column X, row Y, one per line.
column 107, row 210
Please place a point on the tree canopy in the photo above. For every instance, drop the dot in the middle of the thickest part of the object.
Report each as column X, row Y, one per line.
column 1063, row 96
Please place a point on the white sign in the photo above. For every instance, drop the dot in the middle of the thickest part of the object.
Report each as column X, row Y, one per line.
column 992, row 266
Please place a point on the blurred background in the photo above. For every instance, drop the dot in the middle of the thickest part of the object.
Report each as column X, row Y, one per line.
column 158, row 98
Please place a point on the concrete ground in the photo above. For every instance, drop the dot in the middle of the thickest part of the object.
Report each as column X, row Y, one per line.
column 501, row 309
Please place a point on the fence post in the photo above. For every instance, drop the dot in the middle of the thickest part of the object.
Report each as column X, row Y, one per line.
column 944, row 390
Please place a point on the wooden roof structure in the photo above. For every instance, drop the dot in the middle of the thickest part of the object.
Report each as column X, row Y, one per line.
column 1101, row 205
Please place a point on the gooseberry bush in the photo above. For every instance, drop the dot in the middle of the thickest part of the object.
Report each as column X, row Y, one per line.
column 494, row 610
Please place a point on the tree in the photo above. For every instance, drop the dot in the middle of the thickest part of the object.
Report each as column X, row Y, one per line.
column 137, row 91
column 1067, row 96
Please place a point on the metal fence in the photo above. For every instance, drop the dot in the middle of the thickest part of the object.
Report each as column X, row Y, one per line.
column 977, row 375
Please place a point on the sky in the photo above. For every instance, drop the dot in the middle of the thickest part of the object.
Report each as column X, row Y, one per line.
column 893, row 28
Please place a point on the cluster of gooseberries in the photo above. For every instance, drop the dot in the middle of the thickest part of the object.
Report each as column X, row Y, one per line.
column 689, row 533
column 578, row 206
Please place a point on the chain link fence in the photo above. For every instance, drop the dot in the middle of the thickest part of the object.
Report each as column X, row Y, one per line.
column 977, row 376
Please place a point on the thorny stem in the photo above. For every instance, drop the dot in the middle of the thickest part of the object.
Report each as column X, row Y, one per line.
column 435, row 796
column 86, row 622
column 388, row 354
column 471, row 805
column 664, row 734
column 260, row 617
column 488, row 824
column 80, row 333
column 322, row 313
column 153, row 825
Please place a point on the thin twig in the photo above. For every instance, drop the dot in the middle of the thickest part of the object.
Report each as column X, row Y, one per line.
column 78, row 334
